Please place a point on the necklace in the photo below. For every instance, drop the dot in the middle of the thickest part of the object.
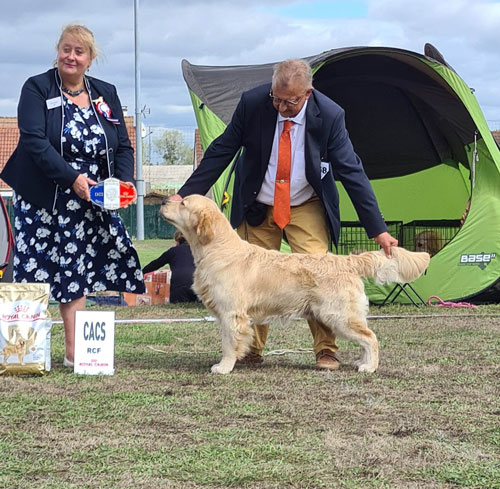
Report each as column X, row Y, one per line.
column 71, row 92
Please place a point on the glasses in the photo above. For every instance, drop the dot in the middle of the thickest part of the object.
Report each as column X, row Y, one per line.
column 279, row 101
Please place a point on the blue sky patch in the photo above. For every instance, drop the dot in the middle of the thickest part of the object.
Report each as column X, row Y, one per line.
column 335, row 9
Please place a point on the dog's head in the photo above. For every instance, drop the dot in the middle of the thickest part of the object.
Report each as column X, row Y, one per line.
column 195, row 215
column 429, row 241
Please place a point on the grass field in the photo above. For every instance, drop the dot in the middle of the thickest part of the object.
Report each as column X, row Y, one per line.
column 428, row 418
column 150, row 249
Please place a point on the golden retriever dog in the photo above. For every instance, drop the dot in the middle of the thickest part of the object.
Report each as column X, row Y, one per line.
column 243, row 284
column 18, row 348
column 429, row 241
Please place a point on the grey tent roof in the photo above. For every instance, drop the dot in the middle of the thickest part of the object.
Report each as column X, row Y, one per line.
column 220, row 87
column 401, row 115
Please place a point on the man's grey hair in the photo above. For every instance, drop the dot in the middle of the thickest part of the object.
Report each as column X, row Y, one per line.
column 291, row 72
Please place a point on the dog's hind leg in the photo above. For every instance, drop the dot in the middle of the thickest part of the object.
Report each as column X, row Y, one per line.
column 236, row 337
column 357, row 330
column 354, row 328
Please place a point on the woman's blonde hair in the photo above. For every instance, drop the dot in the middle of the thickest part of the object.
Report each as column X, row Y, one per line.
column 82, row 34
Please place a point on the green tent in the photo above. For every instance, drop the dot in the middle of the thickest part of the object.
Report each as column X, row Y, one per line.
column 425, row 146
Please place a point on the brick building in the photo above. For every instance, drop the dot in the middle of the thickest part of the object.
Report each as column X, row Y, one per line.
column 9, row 136
column 156, row 177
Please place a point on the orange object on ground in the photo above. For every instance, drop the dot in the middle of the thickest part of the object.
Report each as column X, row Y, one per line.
column 157, row 290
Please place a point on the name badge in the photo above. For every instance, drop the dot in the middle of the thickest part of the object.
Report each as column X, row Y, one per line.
column 52, row 103
column 325, row 168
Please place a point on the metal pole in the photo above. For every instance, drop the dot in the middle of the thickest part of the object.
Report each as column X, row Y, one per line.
column 138, row 130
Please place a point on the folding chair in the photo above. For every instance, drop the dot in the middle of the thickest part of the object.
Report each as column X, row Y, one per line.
column 406, row 288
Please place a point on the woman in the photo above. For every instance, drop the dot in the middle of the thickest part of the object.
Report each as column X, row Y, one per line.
column 72, row 135
column 181, row 263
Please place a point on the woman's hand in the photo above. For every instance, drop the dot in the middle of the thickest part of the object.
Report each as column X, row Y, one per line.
column 81, row 187
column 134, row 190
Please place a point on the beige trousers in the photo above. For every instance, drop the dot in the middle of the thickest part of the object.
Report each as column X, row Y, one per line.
column 306, row 233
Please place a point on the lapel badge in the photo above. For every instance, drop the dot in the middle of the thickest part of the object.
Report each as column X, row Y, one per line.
column 103, row 108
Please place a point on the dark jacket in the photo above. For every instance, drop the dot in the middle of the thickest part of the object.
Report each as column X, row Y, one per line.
column 37, row 168
column 252, row 127
column 181, row 263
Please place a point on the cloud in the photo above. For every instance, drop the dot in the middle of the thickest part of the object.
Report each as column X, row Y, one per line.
column 220, row 32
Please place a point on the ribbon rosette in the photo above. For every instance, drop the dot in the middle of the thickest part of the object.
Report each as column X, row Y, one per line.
column 113, row 194
column 103, row 108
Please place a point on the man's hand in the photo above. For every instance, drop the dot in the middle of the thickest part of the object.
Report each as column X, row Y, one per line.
column 175, row 197
column 386, row 241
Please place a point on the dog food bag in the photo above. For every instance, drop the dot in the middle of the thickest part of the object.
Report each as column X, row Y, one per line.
column 25, row 325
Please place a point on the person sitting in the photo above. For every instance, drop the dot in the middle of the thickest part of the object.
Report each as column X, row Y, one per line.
column 181, row 263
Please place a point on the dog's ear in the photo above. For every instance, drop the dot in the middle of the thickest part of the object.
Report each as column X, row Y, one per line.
column 204, row 227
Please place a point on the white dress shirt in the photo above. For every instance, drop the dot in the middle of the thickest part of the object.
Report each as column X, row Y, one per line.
column 300, row 190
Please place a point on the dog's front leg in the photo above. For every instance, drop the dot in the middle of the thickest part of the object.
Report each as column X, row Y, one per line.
column 237, row 335
column 228, row 349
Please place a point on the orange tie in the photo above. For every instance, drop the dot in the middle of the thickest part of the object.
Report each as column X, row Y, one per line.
column 281, row 210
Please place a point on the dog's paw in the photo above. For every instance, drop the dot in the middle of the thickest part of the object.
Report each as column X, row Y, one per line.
column 358, row 362
column 365, row 367
column 219, row 368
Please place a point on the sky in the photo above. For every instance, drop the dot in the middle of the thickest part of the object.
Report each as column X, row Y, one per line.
column 234, row 32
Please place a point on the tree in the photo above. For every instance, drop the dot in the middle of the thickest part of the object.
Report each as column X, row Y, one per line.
column 173, row 148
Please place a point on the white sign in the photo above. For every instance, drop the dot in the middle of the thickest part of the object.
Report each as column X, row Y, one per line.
column 94, row 342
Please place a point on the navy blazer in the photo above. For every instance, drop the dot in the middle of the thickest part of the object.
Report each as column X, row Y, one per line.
column 252, row 127
column 36, row 168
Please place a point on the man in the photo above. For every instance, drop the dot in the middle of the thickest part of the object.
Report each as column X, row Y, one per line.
column 295, row 147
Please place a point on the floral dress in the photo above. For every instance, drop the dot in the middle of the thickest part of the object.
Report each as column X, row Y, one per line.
column 78, row 247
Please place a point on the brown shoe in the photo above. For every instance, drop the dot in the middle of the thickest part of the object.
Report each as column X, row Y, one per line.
column 251, row 358
column 326, row 359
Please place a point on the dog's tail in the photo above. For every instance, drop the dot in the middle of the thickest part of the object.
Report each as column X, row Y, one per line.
column 404, row 266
